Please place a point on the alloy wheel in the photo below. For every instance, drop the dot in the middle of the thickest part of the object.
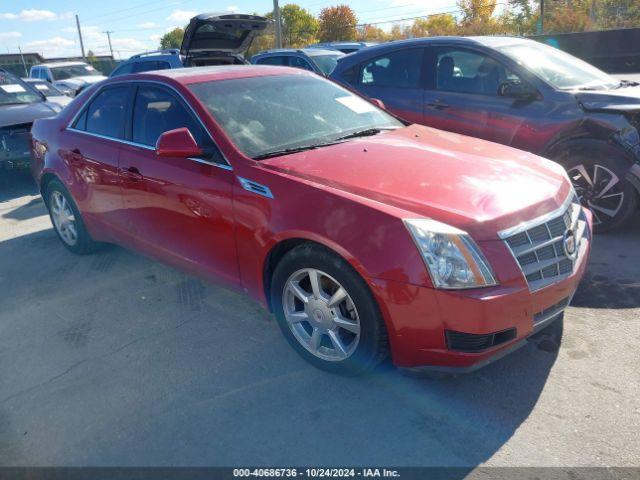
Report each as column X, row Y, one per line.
column 321, row 314
column 63, row 218
column 599, row 189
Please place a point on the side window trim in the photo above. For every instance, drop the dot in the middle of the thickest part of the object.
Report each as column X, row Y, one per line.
column 133, row 85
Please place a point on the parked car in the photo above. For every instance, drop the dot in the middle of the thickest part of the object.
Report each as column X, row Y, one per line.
column 209, row 39
column 344, row 47
column 315, row 60
column 520, row 93
column 361, row 234
column 51, row 93
column 20, row 105
column 69, row 77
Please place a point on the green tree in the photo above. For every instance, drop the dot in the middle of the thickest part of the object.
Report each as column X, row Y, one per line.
column 299, row 26
column 477, row 17
column 434, row 25
column 172, row 39
column 337, row 23
column 520, row 17
column 564, row 16
column 371, row 33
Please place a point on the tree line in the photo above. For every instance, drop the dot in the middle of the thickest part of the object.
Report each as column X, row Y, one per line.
column 472, row 17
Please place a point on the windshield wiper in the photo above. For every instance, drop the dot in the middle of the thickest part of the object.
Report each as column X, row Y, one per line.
column 627, row 83
column 287, row 151
column 367, row 132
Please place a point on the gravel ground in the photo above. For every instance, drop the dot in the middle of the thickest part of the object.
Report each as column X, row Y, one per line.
column 115, row 359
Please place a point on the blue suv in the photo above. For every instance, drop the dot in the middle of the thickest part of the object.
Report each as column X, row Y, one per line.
column 316, row 60
column 209, row 39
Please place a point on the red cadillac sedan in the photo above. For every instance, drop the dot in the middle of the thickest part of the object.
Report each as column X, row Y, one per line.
column 364, row 236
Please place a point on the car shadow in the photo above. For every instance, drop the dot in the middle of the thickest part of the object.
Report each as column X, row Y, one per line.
column 16, row 183
column 143, row 365
column 607, row 287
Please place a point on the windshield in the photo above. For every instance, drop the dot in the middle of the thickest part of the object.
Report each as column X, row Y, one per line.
column 69, row 71
column 560, row 69
column 47, row 89
column 14, row 91
column 269, row 114
column 326, row 63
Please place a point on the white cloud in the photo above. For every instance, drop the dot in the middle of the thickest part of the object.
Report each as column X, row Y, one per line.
column 51, row 46
column 232, row 8
column 8, row 35
column 182, row 16
column 146, row 25
column 155, row 38
column 34, row 15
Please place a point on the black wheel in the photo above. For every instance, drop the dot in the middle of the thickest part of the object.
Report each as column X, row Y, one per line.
column 598, row 176
column 326, row 311
column 67, row 221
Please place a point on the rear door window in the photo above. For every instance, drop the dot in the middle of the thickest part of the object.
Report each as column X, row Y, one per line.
column 299, row 62
column 399, row 69
column 123, row 69
column 274, row 60
column 149, row 66
column 106, row 113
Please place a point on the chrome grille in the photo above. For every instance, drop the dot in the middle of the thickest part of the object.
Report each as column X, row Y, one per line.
column 538, row 245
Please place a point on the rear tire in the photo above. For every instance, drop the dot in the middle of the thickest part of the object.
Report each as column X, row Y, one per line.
column 67, row 221
column 336, row 326
column 598, row 174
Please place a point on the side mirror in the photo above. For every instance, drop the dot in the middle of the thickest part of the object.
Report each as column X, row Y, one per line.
column 177, row 143
column 378, row 103
column 517, row 90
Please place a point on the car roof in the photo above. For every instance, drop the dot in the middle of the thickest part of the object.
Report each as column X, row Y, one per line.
column 60, row 64
column 307, row 51
column 191, row 75
column 489, row 41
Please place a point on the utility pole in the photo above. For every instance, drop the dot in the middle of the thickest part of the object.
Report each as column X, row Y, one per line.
column 592, row 13
column 108, row 32
column 276, row 16
column 24, row 64
column 541, row 32
column 80, row 36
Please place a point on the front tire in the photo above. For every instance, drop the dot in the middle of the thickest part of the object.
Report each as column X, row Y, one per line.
column 598, row 175
column 326, row 311
column 67, row 221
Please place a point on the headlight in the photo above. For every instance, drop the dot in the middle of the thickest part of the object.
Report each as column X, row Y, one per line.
column 453, row 259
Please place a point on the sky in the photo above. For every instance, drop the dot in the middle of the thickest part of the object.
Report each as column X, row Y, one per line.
column 48, row 26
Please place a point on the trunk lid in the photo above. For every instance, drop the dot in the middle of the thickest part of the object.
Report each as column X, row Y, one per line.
column 229, row 33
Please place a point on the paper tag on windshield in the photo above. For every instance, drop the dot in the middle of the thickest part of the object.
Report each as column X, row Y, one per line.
column 12, row 88
column 356, row 104
column 39, row 86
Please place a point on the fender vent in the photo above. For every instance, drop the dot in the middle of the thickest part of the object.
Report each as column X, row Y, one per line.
column 255, row 187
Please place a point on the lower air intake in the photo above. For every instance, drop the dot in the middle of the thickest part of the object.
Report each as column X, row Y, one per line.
column 473, row 343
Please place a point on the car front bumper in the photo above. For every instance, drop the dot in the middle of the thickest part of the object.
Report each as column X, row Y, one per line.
column 419, row 318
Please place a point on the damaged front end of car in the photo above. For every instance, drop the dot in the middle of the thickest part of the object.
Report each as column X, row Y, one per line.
column 15, row 141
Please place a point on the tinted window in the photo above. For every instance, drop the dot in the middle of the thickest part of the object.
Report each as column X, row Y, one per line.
column 157, row 111
column 466, row 71
column 105, row 115
column 123, row 70
column 149, row 65
column 275, row 60
column 400, row 69
column 298, row 62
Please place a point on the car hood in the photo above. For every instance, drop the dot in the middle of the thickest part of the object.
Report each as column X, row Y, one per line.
column 626, row 99
column 472, row 184
column 81, row 81
column 27, row 113
column 228, row 33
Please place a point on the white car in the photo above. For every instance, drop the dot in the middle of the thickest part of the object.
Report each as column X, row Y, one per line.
column 52, row 94
column 69, row 77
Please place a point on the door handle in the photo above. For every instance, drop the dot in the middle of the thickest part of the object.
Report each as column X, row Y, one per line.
column 132, row 174
column 438, row 104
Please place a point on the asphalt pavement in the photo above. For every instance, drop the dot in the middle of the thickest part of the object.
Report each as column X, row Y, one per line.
column 115, row 359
